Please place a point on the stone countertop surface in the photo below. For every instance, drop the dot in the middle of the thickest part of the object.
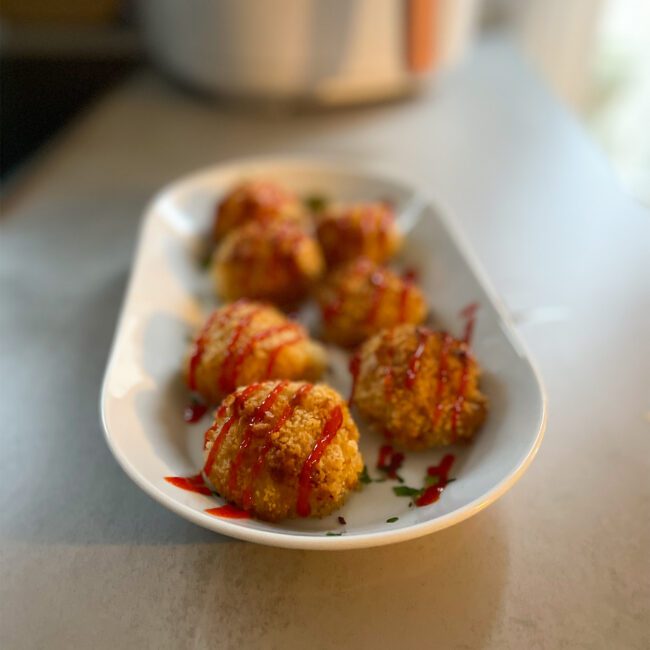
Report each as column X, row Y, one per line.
column 561, row 561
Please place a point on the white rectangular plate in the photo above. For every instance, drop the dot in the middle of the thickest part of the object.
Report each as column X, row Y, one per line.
column 168, row 297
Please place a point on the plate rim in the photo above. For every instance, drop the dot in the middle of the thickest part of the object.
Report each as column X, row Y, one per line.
column 295, row 540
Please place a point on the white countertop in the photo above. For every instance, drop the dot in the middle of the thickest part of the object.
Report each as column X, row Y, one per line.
column 87, row 560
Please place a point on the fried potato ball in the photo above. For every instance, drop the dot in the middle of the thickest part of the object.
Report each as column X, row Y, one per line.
column 420, row 387
column 277, row 261
column 283, row 449
column 256, row 200
column 369, row 230
column 249, row 341
column 361, row 298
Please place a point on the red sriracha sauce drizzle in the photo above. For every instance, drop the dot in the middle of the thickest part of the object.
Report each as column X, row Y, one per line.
column 258, row 415
column 409, row 277
column 286, row 242
column 414, row 361
column 378, row 282
column 197, row 483
column 440, row 472
column 331, row 428
column 194, row 411
column 236, row 355
column 275, row 353
column 469, row 313
column 403, row 301
column 389, row 371
column 252, row 342
column 389, row 461
column 218, row 416
column 226, row 426
column 286, row 414
column 443, row 376
column 190, row 483
column 217, row 316
column 333, row 309
column 228, row 378
column 228, row 512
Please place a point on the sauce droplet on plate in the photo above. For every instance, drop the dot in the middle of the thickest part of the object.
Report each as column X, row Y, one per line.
column 440, row 474
column 194, row 411
column 228, row 512
column 190, row 483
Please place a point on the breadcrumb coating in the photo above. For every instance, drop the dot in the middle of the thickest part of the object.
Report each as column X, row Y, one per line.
column 277, row 261
column 369, row 230
column 256, row 200
column 361, row 298
column 271, row 430
column 421, row 388
column 249, row 341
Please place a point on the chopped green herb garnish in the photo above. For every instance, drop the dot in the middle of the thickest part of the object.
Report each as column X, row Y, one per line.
column 204, row 260
column 406, row 491
column 431, row 480
column 329, row 533
column 392, row 520
column 364, row 476
column 316, row 202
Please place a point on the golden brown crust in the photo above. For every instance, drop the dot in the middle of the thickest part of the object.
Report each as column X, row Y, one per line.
column 277, row 261
column 440, row 404
column 256, row 200
column 271, row 491
column 245, row 342
column 369, row 230
column 361, row 298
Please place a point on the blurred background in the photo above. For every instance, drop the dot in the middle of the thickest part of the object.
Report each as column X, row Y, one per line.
column 56, row 58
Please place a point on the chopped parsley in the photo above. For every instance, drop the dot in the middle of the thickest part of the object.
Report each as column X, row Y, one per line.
column 365, row 478
column 329, row 533
column 406, row 491
column 392, row 520
column 316, row 203
column 204, row 260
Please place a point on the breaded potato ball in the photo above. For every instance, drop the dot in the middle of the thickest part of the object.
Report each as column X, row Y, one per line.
column 420, row 387
column 256, row 200
column 361, row 298
column 283, row 449
column 277, row 261
column 346, row 232
column 249, row 341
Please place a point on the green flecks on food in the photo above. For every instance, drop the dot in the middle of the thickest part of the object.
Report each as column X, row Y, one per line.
column 392, row 520
column 364, row 476
column 406, row 491
column 315, row 202
column 204, row 260
column 329, row 533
